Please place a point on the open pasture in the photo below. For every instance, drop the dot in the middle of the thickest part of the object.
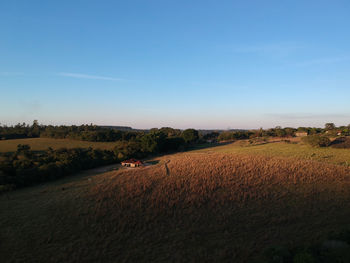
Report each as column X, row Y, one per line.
column 190, row 207
column 279, row 148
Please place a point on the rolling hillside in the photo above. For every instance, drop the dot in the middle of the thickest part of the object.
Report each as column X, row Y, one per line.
column 205, row 205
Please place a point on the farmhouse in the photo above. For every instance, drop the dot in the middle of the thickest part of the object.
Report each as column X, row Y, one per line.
column 132, row 163
column 301, row 134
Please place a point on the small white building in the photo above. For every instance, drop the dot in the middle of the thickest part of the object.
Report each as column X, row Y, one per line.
column 132, row 163
column 301, row 134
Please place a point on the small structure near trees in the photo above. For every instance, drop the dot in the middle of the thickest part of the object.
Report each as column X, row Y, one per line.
column 301, row 134
column 132, row 163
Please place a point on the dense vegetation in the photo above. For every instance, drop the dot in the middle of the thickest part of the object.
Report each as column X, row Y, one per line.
column 336, row 248
column 110, row 134
column 42, row 144
column 82, row 132
column 330, row 130
column 317, row 141
column 25, row 167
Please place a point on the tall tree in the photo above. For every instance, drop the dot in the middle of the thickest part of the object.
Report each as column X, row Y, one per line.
column 329, row 126
column 190, row 135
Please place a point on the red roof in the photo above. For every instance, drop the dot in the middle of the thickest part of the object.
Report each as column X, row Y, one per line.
column 134, row 161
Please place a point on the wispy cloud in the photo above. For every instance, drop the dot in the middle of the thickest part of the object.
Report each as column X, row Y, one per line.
column 294, row 116
column 323, row 61
column 87, row 76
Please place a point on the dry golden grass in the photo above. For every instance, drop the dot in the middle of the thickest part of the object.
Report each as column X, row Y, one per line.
column 189, row 207
column 278, row 148
column 38, row 144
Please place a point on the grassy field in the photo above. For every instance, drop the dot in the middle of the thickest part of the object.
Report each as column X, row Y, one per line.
column 38, row 144
column 223, row 204
column 282, row 149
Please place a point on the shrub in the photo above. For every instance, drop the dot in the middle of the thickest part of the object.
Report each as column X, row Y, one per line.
column 6, row 187
column 342, row 142
column 277, row 254
column 317, row 141
column 303, row 257
column 258, row 140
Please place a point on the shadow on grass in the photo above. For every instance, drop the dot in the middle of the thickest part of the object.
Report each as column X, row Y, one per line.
column 152, row 162
column 341, row 143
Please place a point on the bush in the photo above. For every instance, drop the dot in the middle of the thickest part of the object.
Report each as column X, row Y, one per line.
column 235, row 135
column 277, row 254
column 6, row 187
column 342, row 142
column 303, row 257
column 258, row 140
column 317, row 141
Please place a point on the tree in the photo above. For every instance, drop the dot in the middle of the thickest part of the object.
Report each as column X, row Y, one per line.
column 259, row 133
column 289, row 131
column 313, row 131
column 170, row 132
column 226, row 136
column 211, row 136
column 22, row 148
column 317, row 141
column 329, row 126
column 35, row 129
column 153, row 142
column 173, row 144
column 190, row 135
column 280, row 132
column 303, row 129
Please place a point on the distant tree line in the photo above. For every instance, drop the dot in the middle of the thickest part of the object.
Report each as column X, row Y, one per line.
column 90, row 132
column 20, row 131
column 109, row 134
column 329, row 130
column 83, row 132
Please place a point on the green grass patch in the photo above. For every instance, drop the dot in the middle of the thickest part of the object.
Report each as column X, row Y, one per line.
column 282, row 149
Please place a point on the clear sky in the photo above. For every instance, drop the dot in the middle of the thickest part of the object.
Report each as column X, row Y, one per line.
column 200, row 64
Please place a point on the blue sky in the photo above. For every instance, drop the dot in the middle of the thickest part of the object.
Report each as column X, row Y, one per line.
column 200, row 64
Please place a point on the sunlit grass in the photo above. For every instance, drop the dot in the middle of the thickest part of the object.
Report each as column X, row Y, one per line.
column 212, row 207
column 282, row 149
